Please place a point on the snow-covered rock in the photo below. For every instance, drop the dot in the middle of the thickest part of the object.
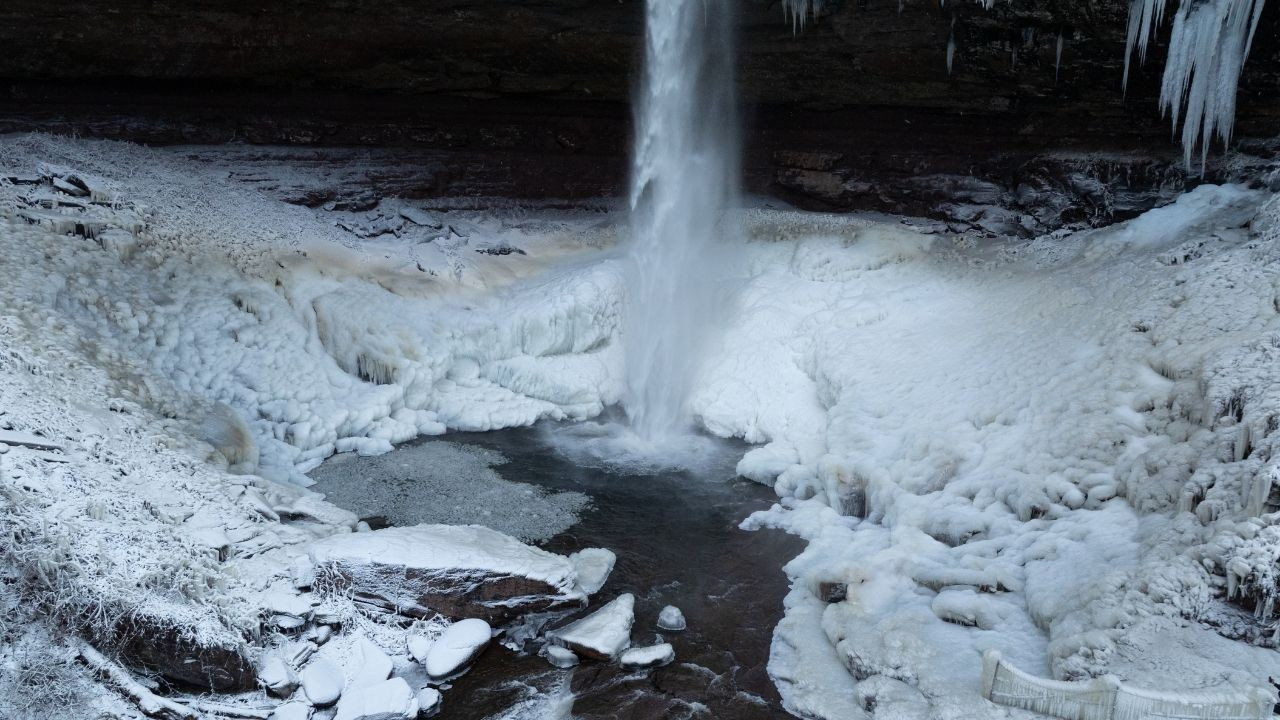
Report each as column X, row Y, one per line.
column 647, row 657
column 386, row 700
column 602, row 634
column 322, row 682
column 429, row 702
column 670, row 618
column 276, row 676
column 418, row 647
column 457, row 646
column 593, row 566
column 294, row 710
column 560, row 657
column 457, row 571
column 368, row 664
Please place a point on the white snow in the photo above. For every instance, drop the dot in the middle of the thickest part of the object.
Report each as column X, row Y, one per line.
column 647, row 657
column 322, row 682
column 429, row 702
column 670, row 618
column 1062, row 449
column 367, row 663
column 602, row 634
column 560, row 657
column 593, row 566
column 448, row 547
column 456, row 647
column 385, row 700
column 291, row 711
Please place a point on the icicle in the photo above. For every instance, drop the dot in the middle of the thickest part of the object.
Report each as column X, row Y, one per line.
column 1144, row 18
column 1207, row 49
column 1057, row 58
column 951, row 52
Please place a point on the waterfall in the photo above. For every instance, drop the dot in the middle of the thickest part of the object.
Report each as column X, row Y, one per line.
column 684, row 173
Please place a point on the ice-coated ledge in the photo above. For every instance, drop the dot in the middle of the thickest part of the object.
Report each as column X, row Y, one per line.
column 458, row 571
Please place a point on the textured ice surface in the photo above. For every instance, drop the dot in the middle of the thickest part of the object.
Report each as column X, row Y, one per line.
column 604, row 633
column 447, row 547
column 461, row 486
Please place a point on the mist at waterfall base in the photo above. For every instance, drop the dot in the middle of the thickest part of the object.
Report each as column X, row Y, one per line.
column 679, row 269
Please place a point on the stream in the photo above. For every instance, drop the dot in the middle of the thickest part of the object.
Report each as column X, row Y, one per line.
column 677, row 543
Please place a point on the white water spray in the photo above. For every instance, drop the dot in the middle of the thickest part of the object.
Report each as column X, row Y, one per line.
column 684, row 172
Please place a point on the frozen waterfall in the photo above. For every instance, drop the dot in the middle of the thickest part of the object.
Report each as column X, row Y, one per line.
column 684, row 171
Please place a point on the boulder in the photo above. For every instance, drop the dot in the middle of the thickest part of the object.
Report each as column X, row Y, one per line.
column 457, row 571
column 386, row 700
column 593, row 566
column 322, row 682
column 647, row 657
column 671, row 619
column 429, row 701
column 456, row 647
column 560, row 657
column 602, row 634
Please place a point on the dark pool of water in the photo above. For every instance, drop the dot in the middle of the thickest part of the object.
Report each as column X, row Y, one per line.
column 676, row 537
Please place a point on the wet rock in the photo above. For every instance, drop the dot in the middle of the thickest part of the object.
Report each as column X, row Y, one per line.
column 457, row 571
column 456, row 647
column 602, row 634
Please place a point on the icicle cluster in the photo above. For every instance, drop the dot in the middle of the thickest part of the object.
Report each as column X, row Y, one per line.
column 1208, row 46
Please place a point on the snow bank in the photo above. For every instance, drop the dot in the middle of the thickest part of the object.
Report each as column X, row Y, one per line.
column 1044, row 449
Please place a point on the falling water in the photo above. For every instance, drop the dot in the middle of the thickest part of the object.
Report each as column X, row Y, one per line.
column 684, row 172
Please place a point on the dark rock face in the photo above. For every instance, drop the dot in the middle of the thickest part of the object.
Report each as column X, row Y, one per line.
column 529, row 99
column 178, row 655
column 496, row 598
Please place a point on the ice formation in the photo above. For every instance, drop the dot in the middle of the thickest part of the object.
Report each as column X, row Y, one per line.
column 1063, row 449
column 1208, row 46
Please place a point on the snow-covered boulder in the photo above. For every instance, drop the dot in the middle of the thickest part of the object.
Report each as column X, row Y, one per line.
column 457, row 646
column 647, row 657
column 671, row 619
column 368, row 665
column 602, row 634
column 386, row 700
column 593, row 566
column 276, row 676
column 295, row 710
column 457, row 571
column 322, row 682
column 560, row 657
column 418, row 647
column 429, row 702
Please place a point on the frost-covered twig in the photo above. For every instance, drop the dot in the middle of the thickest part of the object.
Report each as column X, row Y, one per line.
column 147, row 701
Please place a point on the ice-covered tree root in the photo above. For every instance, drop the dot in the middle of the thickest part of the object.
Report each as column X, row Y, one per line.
column 1106, row 698
column 148, row 702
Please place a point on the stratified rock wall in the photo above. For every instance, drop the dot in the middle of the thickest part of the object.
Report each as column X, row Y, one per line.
column 530, row 98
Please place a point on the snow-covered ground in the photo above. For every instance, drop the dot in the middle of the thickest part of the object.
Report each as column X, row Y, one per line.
column 1058, row 448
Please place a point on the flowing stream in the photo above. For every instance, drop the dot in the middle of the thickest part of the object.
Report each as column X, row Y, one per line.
column 684, row 173
column 676, row 538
